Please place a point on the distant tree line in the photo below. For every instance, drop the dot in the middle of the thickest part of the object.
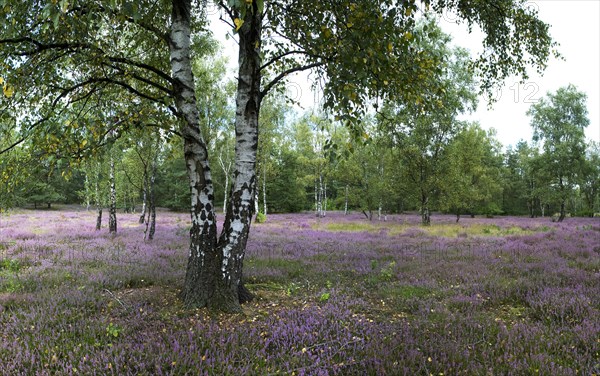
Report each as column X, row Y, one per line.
column 310, row 162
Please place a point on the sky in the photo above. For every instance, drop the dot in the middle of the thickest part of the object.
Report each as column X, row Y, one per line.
column 575, row 25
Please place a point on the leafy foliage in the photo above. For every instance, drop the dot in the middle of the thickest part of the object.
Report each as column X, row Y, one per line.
column 558, row 123
column 472, row 173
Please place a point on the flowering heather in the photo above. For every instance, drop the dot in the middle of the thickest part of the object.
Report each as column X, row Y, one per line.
column 335, row 296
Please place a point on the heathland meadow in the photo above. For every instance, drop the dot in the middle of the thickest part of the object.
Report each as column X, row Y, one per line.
column 334, row 296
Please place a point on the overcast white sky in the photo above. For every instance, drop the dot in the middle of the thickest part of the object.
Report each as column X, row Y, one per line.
column 575, row 25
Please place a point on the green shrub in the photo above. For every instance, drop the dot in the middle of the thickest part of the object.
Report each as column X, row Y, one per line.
column 261, row 217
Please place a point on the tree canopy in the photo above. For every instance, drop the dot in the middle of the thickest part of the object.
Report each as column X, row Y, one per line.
column 558, row 123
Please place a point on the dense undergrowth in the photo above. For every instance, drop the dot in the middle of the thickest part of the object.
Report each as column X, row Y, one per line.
column 337, row 295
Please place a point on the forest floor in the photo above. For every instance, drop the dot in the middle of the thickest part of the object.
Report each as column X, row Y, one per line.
column 338, row 295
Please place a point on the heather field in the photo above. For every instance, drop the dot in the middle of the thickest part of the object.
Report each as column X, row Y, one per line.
column 335, row 296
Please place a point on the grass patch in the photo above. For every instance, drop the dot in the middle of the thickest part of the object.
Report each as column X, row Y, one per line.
column 399, row 297
column 446, row 230
column 4, row 245
column 11, row 265
column 349, row 227
column 267, row 286
column 592, row 266
column 287, row 269
column 11, row 279
column 458, row 230
column 406, row 291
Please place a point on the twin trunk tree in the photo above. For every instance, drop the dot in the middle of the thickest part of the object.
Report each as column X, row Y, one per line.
column 214, row 272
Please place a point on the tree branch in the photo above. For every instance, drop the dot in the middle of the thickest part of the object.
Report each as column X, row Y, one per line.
column 142, row 79
column 282, row 75
column 41, row 46
column 150, row 68
column 279, row 57
column 15, row 144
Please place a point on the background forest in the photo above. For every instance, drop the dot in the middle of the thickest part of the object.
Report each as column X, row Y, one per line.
column 307, row 160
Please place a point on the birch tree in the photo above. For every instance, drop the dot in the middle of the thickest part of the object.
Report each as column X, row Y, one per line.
column 423, row 134
column 590, row 182
column 470, row 177
column 558, row 123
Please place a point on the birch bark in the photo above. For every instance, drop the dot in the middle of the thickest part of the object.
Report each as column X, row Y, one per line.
column 112, row 211
column 203, row 259
column 232, row 242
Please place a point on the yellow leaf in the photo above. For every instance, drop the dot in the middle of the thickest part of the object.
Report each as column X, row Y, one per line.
column 1, row 80
column 390, row 47
column 238, row 23
column 8, row 91
column 408, row 12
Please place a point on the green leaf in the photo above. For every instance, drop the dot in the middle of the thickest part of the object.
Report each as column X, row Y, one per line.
column 56, row 20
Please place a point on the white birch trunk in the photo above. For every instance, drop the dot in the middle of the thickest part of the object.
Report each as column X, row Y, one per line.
column 151, row 223
column 112, row 212
column 97, row 198
column 203, row 260
column 226, row 171
column 241, row 207
column 87, row 192
column 226, row 191
column 320, row 211
column 264, row 185
column 256, row 199
column 324, row 199
column 316, row 198
column 144, row 198
column 346, row 201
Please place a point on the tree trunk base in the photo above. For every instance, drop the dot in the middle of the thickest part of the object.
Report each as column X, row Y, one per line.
column 244, row 295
